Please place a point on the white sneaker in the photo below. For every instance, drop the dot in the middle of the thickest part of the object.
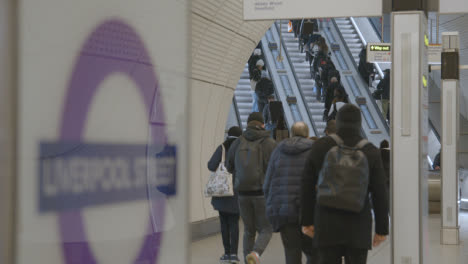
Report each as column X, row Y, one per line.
column 253, row 258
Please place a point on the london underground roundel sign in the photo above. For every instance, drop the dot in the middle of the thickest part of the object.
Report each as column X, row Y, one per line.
column 113, row 47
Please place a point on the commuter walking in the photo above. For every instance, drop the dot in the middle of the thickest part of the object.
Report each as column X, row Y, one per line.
column 282, row 188
column 341, row 221
column 228, row 207
column 248, row 159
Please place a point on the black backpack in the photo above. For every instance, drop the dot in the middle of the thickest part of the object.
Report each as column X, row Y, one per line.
column 344, row 178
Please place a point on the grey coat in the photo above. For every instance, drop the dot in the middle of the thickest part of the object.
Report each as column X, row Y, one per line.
column 283, row 181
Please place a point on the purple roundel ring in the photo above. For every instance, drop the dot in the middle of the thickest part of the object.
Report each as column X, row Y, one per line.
column 113, row 47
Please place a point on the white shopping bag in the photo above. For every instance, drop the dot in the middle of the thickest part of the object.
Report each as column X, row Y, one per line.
column 220, row 182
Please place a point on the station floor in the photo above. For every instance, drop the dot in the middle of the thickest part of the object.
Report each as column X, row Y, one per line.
column 208, row 250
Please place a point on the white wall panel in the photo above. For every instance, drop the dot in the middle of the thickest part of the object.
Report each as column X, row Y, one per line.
column 221, row 45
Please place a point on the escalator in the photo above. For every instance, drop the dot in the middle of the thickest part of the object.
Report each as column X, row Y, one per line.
column 345, row 52
column 301, row 70
column 287, row 88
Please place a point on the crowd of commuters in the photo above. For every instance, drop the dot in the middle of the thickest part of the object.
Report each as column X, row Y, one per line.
column 261, row 85
column 279, row 188
column 286, row 187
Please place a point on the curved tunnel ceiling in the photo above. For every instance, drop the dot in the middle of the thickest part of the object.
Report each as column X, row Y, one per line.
column 221, row 44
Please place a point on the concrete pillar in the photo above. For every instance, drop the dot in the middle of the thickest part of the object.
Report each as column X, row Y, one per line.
column 8, row 90
column 449, row 143
column 409, row 130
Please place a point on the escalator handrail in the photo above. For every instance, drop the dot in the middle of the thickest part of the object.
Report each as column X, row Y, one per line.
column 283, row 44
column 270, row 73
column 239, row 120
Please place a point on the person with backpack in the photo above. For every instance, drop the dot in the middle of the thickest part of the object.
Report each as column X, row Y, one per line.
column 248, row 158
column 227, row 207
column 282, row 187
column 340, row 172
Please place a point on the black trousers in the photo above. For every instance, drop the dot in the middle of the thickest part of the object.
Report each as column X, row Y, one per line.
column 229, row 232
column 333, row 255
column 294, row 243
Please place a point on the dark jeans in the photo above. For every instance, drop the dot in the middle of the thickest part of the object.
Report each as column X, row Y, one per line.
column 333, row 254
column 229, row 232
column 294, row 243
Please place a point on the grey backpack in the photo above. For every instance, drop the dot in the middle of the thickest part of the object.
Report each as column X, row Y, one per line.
column 249, row 165
column 344, row 178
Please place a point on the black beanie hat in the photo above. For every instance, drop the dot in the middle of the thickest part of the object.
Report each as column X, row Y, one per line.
column 349, row 116
column 256, row 116
column 234, row 131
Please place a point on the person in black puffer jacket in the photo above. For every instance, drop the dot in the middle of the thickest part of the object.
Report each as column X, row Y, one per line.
column 228, row 207
column 282, row 187
column 337, row 232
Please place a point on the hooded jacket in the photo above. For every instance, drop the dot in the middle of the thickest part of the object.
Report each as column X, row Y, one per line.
column 283, row 181
column 223, row 204
column 267, row 144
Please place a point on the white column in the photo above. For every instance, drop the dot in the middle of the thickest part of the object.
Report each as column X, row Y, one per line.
column 8, row 90
column 409, row 127
column 449, row 167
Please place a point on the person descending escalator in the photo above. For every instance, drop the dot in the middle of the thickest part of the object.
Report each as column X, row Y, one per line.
column 340, row 99
column 366, row 70
column 320, row 64
column 330, row 78
column 264, row 89
column 255, row 78
column 383, row 93
column 252, row 63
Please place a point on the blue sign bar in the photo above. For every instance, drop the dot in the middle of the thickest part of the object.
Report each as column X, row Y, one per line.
column 79, row 175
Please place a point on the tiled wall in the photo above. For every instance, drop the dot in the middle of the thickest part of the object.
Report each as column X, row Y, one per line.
column 221, row 45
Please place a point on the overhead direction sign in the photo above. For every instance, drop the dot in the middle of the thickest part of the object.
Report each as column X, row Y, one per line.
column 289, row 9
column 379, row 52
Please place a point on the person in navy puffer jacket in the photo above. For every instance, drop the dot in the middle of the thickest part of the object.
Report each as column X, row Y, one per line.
column 282, row 189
